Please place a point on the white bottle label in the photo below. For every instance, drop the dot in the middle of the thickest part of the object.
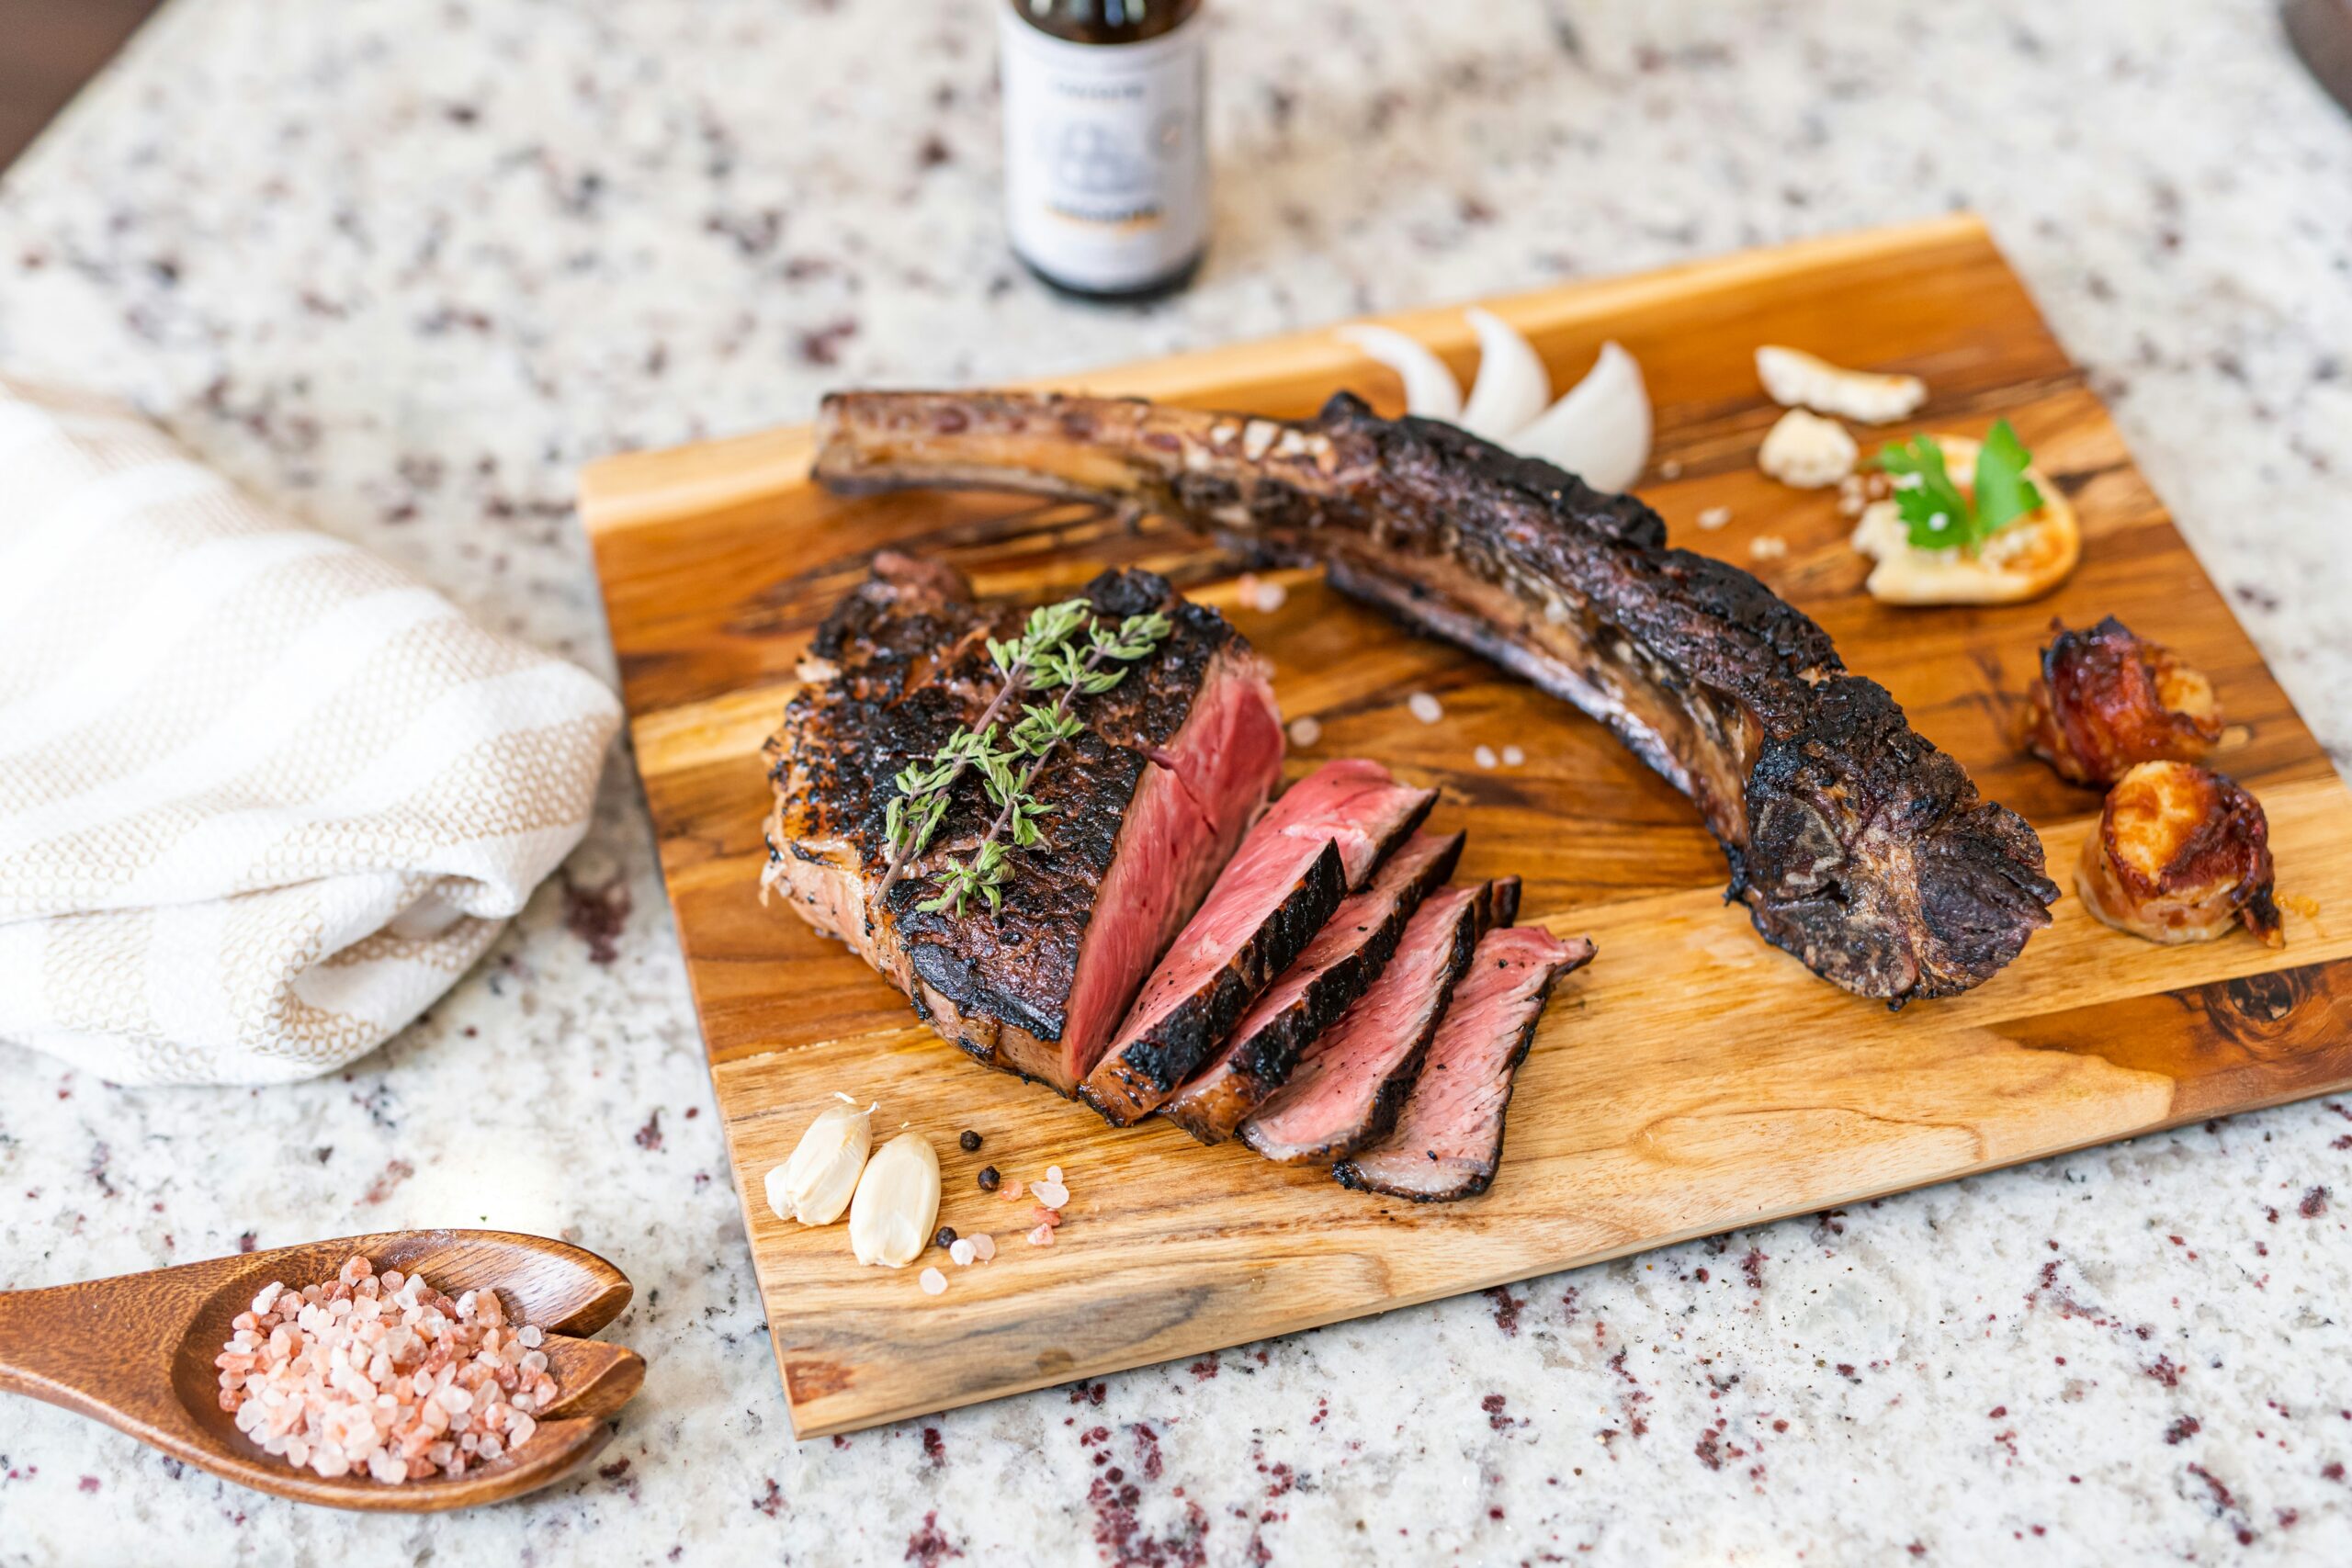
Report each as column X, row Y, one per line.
column 1106, row 176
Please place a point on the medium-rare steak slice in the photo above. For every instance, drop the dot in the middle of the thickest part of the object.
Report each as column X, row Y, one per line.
column 1449, row 1136
column 1345, row 1089
column 1856, row 844
column 1346, row 955
column 1322, row 837
column 1148, row 805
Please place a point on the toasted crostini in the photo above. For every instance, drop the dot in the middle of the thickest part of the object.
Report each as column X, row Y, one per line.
column 2023, row 561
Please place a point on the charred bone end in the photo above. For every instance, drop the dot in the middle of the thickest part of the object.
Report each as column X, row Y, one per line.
column 1872, row 857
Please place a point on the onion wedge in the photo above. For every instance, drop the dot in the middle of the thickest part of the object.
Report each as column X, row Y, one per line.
column 1430, row 390
column 1512, row 385
column 1600, row 429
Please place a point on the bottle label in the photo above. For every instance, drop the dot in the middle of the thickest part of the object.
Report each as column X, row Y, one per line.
column 1106, row 176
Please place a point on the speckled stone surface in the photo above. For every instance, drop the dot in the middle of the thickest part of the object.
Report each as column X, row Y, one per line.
column 402, row 266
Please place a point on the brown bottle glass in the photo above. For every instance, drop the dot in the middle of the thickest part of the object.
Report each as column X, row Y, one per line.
column 1107, row 174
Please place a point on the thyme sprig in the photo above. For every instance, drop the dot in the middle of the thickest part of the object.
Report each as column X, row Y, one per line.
column 924, row 787
column 1076, row 673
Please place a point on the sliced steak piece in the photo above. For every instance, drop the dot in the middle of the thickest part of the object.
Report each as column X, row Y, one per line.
column 1149, row 805
column 1325, row 836
column 1346, row 1087
column 1449, row 1136
column 1346, row 955
column 1856, row 844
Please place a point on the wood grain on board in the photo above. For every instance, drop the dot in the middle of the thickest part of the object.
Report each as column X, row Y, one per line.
column 1692, row 1079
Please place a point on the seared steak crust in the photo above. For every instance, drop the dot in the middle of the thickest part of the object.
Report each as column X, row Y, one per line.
column 1138, row 1074
column 1448, row 1141
column 1344, row 1093
column 893, row 672
column 1856, row 844
column 1217, row 1101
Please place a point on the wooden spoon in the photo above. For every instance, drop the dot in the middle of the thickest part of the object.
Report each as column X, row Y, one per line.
column 136, row 1352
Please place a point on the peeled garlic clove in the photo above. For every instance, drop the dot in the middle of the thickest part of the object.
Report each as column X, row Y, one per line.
column 1796, row 378
column 1430, row 390
column 896, row 1210
column 1600, row 431
column 815, row 1184
column 1512, row 385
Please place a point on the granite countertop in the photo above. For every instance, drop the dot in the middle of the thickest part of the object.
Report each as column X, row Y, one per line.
column 402, row 267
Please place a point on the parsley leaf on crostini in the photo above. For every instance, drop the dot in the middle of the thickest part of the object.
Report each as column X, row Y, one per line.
column 1937, row 513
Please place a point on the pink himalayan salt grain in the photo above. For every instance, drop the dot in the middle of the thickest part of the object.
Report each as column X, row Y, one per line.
column 984, row 1246
column 1042, row 1237
column 1011, row 1189
column 382, row 1374
column 932, row 1280
column 1053, row 1173
column 1051, row 1193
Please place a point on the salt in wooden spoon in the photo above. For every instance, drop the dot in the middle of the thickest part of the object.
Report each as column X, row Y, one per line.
column 137, row 1352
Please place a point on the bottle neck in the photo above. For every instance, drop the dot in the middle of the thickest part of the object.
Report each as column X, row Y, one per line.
column 1106, row 21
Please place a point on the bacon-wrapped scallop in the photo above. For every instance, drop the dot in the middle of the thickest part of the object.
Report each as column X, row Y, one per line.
column 2180, row 854
column 2105, row 700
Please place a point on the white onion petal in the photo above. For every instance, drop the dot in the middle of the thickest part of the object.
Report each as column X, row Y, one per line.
column 1600, row 431
column 1513, row 386
column 1430, row 390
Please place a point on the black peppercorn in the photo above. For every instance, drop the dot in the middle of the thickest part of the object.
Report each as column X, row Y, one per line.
column 971, row 1141
column 988, row 1178
column 947, row 1236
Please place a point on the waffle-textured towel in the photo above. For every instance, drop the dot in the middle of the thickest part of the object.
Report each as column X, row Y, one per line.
column 262, row 798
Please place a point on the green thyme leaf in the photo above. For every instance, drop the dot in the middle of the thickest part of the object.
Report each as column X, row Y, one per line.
column 1045, row 658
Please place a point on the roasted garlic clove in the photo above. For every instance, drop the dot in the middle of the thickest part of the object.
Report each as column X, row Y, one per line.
column 815, row 1184
column 896, row 1210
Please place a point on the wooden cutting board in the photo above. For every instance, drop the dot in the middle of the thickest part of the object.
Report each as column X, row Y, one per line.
column 1692, row 1079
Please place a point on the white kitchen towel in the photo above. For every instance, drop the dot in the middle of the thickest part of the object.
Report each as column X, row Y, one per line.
column 262, row 798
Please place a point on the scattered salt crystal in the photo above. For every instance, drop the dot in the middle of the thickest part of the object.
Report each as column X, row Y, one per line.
column 1714, row 516
column 932, row 1280
column 984, row 1246
column 1485, row 756
column 1271, row 595
column 1670, row 470
column 1768, row 546
column 1042, row 1237
column 1513, row 756
column 1246, row 587
column 1053, row 1173
column 1305, row 730
column 1051, row 1193
column 962, row 1251
column 1011, row 1188
column 1425, row 707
